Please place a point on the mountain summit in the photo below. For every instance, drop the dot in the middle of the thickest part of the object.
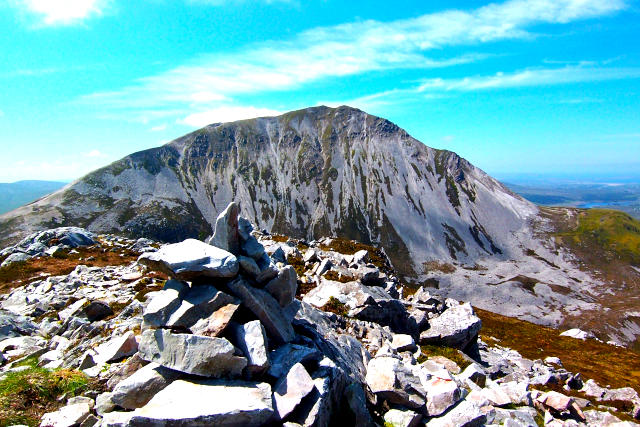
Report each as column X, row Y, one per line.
column 309, row 174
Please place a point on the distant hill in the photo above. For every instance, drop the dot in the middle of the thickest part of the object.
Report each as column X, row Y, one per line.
column 16, row 194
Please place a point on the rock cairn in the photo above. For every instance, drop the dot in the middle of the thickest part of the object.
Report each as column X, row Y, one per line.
column 229, row 339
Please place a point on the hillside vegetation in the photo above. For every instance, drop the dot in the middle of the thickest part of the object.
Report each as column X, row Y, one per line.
column 615, row 233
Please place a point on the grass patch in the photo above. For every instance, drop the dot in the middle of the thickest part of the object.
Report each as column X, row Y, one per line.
column 440, row 266
column 450, row 353
column 145, row 286
column 18, row 273
column 26, row 396
column 335, row 306
column 350, row 247
column 615, row 232
column 338, row 277
column 304, row 288
column 606, row 364
column 297, row 263
column 280, row 238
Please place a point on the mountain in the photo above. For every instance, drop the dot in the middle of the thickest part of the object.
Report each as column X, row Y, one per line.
column 308, row 174
column 321, row 172
column 15, row 194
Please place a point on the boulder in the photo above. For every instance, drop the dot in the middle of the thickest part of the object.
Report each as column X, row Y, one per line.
column 67, row 416
column 390, row 379
column 216, row 323
column 289, row 391
column 138, row 389
column 116, row 348
column 464, row 413
column 96, row 310
column 207, row 402
column 284, row 286
column 284, row 357
column 15, row 257
column 164, row 303
column 226, row 235
column 252, row 248
column 251, row 338
column 192, row 354
column 249, row 265
column 14, row 325
column 578, row 334
column 357, row 400
column 192, row 259
column 268, row 270
column 198, row 302
column 402, row 418
column 265, row 308
column 403, row 342
column 442, row 394
column 456, row 327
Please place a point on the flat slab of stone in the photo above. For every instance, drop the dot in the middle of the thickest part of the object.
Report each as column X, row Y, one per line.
column 226, row 235
column 192, row 259
column 116, row 348
column 216, row 323
column 192, row 354
column 266, row 308
column 207, row 402
column 198, row 302
column 66, row 416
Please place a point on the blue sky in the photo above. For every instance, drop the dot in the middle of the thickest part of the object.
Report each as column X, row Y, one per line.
column 518, row 86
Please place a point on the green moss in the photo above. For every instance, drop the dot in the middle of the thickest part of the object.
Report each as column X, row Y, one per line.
column 452, row 354
column 335, row 306
column 615, row 232
column 452, row 192
column 25, row 396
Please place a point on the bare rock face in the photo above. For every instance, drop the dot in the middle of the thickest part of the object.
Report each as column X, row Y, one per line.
column 192, row 259
column 191, row 354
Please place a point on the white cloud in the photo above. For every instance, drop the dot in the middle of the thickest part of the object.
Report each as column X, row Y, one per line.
column 1, row 113
column 225, row 2
column 95, row 153
column 226, row 114
column 347, row 49
column 62, row 12
column 158, row 128
column 530, row 77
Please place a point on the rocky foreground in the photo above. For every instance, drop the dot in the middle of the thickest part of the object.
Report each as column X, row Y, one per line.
column 253, row 330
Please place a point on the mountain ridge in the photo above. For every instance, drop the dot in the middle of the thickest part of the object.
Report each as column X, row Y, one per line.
column 345, row 161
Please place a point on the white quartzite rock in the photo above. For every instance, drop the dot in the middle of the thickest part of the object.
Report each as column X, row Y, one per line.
column 251, row 338
column 66, row 416
column 192, row 259
column 192, row 354
column 116, row 348
column 290, row 390
column 136, row 390
column 456, row 327
column 207, row 403
column 402, row 418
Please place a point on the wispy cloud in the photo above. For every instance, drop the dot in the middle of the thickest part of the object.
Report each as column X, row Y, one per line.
column 159, row 128
column 225, row 2
column 226, row 114
column 530, row 77
column 61, row 12
column 343, row 50
column 95, row 153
